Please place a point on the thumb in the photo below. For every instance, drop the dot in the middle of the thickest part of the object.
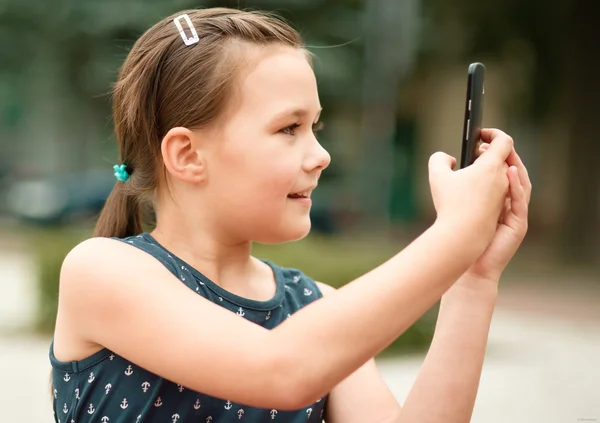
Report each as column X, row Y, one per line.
column 441, row 163
column 500, row 145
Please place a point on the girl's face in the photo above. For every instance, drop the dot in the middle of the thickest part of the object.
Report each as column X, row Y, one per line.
column 266, row 160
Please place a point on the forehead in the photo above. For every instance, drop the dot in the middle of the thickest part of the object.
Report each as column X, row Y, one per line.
column 279, row 79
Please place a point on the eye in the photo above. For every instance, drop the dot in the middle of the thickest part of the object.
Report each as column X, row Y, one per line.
column 317, row 126
column 290, row 130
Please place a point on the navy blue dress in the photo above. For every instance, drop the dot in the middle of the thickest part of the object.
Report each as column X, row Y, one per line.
column 107, row 388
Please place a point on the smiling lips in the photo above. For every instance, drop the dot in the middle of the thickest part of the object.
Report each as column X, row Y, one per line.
column 303, row 194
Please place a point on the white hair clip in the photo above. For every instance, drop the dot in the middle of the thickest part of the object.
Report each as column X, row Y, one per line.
column 187, row 40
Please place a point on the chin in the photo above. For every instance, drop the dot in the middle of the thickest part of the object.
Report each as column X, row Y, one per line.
column 285, row 234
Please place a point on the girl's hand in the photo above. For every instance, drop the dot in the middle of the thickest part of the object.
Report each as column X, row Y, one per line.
column 469, row 201
column 512, row 224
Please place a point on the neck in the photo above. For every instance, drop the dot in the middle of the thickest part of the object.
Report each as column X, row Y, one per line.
column 219, row 256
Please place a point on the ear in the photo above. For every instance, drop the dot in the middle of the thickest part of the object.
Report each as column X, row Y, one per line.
column 183, row 156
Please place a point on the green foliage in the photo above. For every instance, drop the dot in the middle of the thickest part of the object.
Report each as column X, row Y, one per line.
column 329, row 260
column 51, row 247
column 91, row 38
column 535, row 31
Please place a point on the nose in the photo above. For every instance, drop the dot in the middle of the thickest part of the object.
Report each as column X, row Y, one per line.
column 318, row 159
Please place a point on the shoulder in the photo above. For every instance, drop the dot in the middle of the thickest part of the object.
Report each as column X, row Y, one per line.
column 91, row 253
column 100, row 267
column 94, row 253
column 108, row 255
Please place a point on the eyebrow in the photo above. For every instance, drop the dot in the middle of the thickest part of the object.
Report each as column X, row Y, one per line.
column 297, row 113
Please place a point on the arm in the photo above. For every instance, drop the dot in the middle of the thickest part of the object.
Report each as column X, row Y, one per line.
column 446, row 387
column 361, row 397
column 111, row 290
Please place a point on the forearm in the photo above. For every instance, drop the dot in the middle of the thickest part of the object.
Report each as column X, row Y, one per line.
column 446, row 387
column 336, row 335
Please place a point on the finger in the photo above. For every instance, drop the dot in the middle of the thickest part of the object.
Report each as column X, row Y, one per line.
column 482, row 149
column 505, row 210
column 440, row 163
column 518, row 200
column 501, row 145
column 515, row 160
column 506, row 169
column 487, row 135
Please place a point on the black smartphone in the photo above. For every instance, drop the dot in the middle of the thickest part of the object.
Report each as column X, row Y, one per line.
column 473, row 114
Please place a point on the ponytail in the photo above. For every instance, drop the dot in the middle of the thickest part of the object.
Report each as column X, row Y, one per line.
column 121, row 215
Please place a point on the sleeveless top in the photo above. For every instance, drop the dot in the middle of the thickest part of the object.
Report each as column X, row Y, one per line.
column 107, row 388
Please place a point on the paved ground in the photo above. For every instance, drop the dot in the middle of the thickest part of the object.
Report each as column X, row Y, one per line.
column 537, row 369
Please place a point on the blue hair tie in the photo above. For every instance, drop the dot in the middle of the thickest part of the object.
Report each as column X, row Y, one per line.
column 121, row 173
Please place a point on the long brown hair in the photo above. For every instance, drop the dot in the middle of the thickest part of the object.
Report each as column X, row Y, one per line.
column 165, row 84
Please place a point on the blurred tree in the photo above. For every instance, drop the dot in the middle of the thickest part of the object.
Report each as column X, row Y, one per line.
column 390, row 41
column 559, row 37
column 582, row 221
column 88, row 40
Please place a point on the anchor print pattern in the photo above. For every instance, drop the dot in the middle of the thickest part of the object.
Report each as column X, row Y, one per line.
column 181, row 416
column 120, row 391
column 175, row 415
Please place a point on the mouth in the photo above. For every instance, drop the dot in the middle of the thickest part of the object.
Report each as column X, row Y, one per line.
column 301, row 194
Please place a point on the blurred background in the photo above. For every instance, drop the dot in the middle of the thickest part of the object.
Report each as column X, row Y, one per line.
column 392, row 76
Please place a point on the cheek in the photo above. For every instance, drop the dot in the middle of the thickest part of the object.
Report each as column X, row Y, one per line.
column 260, row 180
column 273, row 183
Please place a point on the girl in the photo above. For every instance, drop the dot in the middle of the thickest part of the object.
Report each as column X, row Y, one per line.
column 214, row 112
